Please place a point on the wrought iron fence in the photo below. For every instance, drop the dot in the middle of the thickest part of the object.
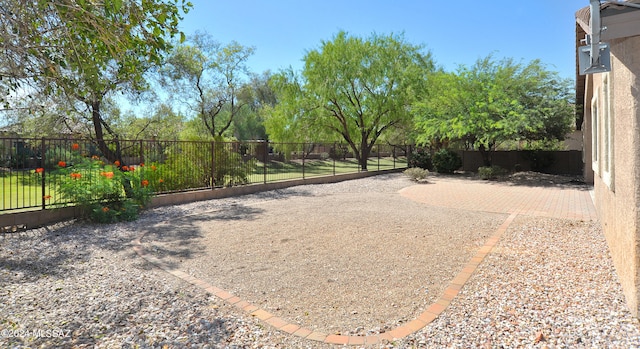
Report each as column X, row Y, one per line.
column 29, row 166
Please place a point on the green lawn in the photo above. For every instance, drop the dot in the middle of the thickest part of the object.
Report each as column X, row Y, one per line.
column 279, row 171
column 20, row 189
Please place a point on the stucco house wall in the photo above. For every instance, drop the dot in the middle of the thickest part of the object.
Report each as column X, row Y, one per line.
column 611, row 126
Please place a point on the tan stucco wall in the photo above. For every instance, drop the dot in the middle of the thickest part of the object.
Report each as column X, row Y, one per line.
column 617, row 205
column 586, row 132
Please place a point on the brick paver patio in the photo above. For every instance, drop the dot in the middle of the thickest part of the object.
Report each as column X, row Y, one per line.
column 564, row 201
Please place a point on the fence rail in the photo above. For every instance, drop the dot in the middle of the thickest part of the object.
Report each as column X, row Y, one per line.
column 29, row 179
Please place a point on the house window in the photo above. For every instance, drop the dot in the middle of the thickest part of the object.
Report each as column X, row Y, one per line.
column 607, row 133
column 595, row 142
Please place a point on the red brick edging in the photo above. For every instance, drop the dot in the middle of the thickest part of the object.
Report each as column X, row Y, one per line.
column 430, row 314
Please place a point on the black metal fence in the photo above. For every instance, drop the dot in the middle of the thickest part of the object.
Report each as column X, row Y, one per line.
column 29, row 166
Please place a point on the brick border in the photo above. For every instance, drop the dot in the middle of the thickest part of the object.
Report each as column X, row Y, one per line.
column 430, row 314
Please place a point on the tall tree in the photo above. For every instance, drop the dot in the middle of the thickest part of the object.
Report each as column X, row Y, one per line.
column 257, row 95
column 493, row 102
column 355, row 88
column 208, row 77
column 85, row 50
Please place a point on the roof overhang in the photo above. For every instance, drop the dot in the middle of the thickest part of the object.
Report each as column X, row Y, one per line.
column 620, row 21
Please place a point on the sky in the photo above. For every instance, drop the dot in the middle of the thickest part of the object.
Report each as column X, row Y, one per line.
column 455, row 32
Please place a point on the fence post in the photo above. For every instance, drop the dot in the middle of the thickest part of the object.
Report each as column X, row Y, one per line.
column 141, row 153
column 393, row 155
column 43, row 160
column 213, row 165
column 266, row 158
column 335, row 154
column 378, row 149
column 304, row 152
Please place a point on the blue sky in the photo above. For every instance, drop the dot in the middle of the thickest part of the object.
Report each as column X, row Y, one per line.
column 456, row 32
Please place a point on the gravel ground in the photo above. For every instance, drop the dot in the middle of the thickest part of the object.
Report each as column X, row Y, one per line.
column 549, row 282
column 338, row 259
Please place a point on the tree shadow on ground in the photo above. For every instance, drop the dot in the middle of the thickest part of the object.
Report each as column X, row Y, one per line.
column 48, row 251
column 526, row 179
column 180, row 238
column 55, row 250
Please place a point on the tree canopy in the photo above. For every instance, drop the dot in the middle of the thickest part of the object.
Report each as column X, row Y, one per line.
column 84, row 51
column 493, row 102
column 352, row 88
column 208, row 77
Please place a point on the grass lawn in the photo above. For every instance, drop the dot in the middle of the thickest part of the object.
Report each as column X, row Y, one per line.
column 20, row 189
column 23, row 190
column 279, row 171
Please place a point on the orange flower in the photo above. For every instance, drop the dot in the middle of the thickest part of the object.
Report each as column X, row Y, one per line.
column 62, row 164
column 142, row 164
column 125, row 168
column 95, row 157
column 47, row 197
column 117, row 163
column 107, row 174
column 131, row 168
column 145, row 182
column 160, row 180
column 75, row 146
column 39, row 170
column 76, row 175
column 153, row 167
column 105, row 209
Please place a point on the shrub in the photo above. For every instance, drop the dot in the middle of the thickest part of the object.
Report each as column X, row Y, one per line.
column 491, row 172
column 56, row 153
column 338, row 152
column 191, row 168
column 421, row 158
column 540, row 159
column 108, row 193
column 417, row 173
column 446, row 161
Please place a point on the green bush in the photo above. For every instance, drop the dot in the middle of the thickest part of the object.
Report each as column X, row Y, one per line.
column 491, row 172
column 57, row 153
column 107, row 192
column 540, row 159
column 417, row 173
column 446, row 161
column 421, row 158
column 190, row 168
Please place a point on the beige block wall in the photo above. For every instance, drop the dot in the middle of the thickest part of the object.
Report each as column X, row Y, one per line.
column 617, row 204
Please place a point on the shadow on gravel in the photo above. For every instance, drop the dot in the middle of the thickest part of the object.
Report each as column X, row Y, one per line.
column 27, row 268
column 55, row 251
column 527, row 179
column 174, row 240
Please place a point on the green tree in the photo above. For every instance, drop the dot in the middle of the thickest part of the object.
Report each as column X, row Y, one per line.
column 257, row 95
column 288, row 121
column 163, row 123
column 208, row 77
column 86, row 51
column 493, row 102
column 353, row 88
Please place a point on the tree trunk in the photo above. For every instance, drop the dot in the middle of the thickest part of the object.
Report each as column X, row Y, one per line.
column 96, row 118
column 365, row 149
column 486, row 155
column 109, row 154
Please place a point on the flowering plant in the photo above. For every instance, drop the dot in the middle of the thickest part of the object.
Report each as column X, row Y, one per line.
column 108, row 192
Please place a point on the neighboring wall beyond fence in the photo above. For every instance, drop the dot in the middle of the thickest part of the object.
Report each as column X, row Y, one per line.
column 567, row 162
